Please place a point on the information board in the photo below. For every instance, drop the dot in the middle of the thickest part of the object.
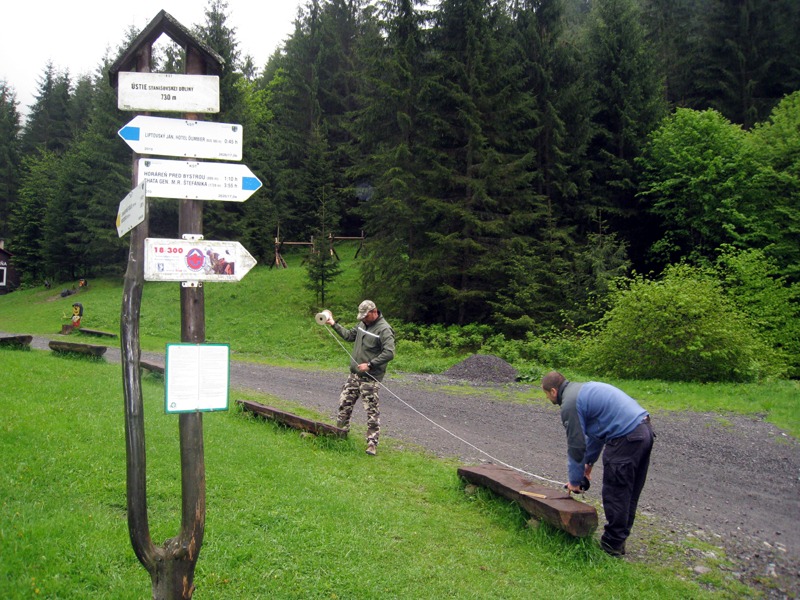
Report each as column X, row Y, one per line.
column 197, row 377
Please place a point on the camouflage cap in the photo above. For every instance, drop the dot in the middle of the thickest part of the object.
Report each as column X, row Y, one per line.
column 364, row 308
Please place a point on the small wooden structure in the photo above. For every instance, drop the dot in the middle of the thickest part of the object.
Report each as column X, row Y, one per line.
column 16, row 341
column 556, row 507
column 291, row 420
column 279, row 244
column 89, row 349
column 335, row 238
column 9, row 278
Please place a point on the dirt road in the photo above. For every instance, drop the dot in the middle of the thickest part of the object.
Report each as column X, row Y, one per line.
column 730, row 482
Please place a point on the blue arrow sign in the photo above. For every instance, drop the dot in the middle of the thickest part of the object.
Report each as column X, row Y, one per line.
column 251, row 183
column 130, row 133
column 192, row 180
column 184, row 138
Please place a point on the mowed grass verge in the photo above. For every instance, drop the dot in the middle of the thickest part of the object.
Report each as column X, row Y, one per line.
column 288, row 516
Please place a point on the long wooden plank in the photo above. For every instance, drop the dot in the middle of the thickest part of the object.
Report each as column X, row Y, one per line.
column 292, row 420
column 151, row 366
column 96, row 332
column 75, row 347
column 16, row 340
column 555, row 507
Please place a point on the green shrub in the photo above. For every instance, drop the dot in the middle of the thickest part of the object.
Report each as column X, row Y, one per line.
column 451, row 339
column 679, row 328
column 751, row 280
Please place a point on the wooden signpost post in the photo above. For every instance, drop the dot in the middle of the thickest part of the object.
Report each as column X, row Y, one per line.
column 171, row 566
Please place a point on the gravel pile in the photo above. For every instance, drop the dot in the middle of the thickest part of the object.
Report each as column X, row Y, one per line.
column 483, row 368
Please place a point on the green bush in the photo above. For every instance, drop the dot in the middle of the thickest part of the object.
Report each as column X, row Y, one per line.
column 752, row 282
column 679, row 328
column 450, row 339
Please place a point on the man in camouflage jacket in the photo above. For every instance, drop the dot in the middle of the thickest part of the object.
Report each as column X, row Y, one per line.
column 372, row 351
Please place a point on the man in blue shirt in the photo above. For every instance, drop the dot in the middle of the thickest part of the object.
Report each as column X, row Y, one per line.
column 596, row 415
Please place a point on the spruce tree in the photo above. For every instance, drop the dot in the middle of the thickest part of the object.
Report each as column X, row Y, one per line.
column 10, row 157
column 390, row 128
column 37, row 193
column 748, row 57
column 628, row 103
column 223, row 220
column 479, row 198
column 48, row 126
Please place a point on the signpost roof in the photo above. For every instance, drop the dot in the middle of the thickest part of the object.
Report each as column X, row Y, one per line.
column 164, row 23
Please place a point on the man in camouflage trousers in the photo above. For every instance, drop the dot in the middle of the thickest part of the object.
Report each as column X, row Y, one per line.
column 372, row 351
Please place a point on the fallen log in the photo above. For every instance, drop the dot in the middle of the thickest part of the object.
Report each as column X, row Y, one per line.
column 16, row 340
column 90, row 349
column 292, row 420
column 556, row 507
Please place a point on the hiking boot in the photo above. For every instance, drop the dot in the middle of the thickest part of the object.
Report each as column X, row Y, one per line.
column 615, row 551
column 372, row 449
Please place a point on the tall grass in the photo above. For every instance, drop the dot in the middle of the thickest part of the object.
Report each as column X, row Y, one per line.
column 288, row 516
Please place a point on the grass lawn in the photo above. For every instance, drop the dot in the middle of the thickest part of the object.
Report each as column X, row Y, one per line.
column 288, row 516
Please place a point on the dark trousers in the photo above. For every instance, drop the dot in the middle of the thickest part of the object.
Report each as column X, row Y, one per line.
column 625, row 463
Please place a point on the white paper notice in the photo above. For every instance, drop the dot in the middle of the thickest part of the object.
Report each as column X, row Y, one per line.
column 197, row 377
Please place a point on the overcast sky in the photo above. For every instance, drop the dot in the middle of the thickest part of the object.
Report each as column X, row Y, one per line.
column 76, row 37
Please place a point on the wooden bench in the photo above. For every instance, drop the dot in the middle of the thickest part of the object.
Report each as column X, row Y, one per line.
column 556, row 507
column 292, row 420
column 96, row 332
column 89, row 349
column 17, row 341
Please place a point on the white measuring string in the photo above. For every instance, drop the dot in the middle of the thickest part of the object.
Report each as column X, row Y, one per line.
column 474, row 447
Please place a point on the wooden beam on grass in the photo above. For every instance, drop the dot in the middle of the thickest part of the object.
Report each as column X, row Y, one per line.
column 16, row 341
column 89, row 349
column 292, row 420
column 96, row 332
column 556, row 507
column 151, row 366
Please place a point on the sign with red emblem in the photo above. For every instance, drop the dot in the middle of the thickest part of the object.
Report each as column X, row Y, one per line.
column 195, row 260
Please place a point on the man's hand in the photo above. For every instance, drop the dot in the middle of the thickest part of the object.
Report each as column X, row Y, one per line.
column 363, row 367
column 579, row 489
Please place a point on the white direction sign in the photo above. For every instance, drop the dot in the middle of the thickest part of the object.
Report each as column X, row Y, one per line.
column 180, row 137
column 192, row 180
column 164, row 92
column 195, row 260
column 131, row 210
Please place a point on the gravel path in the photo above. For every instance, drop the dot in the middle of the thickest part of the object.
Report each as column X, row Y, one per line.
column 729, row 482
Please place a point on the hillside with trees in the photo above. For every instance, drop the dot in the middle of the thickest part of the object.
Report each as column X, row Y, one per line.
column 520, row 164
